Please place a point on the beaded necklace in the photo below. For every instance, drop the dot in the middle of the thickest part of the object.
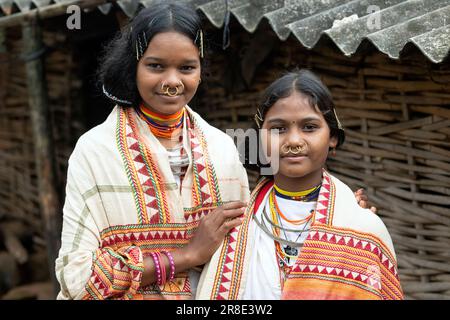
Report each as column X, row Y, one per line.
column 277, row 225
column 162, row 126
column 287, row 250
column 306, row 195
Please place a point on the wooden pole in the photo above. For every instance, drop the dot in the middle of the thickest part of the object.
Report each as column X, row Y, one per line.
column 2, row 41
column 50, row 204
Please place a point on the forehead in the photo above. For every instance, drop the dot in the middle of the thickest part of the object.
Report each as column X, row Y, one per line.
column 172, row 44
column 295, row 106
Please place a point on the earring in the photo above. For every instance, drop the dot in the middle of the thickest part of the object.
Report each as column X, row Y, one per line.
column 333, row 152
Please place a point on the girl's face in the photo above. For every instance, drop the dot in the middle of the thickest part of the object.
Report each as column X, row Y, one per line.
column 304, row 137
column 172, row 60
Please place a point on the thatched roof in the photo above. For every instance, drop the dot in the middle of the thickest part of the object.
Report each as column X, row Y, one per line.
column 389, row 24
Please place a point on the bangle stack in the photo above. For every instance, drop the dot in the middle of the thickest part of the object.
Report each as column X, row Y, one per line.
column 156, row 256
column 172, row 264
column 161, row 276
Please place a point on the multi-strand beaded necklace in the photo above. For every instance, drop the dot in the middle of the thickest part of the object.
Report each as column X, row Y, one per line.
column 287, row 250
column 162, row 126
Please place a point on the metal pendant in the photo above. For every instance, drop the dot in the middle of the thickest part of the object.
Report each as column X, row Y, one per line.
column 290, row 250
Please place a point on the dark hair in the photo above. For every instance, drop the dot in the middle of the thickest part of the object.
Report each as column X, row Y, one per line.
column 309, row 85
column 117, row 72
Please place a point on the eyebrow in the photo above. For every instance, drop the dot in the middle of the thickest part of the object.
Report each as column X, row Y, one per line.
column 189, row 61
column 274, row 120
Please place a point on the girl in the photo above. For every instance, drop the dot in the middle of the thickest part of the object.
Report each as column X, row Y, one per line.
column 304, row 236
column 139, row 184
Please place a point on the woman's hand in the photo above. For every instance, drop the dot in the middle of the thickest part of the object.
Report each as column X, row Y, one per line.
column 363, row 200
column 212, row 230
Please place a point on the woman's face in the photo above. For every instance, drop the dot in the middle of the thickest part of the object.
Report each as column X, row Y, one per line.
column 172, row 60
column 303, row 130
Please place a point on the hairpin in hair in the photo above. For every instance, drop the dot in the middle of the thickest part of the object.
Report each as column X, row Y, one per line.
column 145, row 38
column 258, row 118
column 199, row 36
column 139, row 50
column 337, row 119
column 201, row 45
column 109, row 95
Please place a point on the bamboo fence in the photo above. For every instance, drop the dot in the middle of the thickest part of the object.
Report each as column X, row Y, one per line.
column 397, row 120
column 19, row 202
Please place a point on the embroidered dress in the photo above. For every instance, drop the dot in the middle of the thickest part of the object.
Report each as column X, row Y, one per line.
column 123, row 202
column 348, row 253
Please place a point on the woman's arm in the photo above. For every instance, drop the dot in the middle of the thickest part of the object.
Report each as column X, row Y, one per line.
column 207, row 238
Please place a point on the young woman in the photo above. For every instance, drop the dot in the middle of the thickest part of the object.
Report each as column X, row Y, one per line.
column 139, row 183
column 304, row 237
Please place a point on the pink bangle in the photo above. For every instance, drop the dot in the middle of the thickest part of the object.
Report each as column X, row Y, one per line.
column 157, row 267
column 172, row 264
column 163, row 269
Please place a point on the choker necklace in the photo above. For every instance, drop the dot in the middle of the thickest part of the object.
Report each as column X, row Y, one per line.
column 161, row 125
column 306, row 195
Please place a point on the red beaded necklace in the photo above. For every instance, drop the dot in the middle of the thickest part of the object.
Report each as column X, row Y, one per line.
column 161, row 125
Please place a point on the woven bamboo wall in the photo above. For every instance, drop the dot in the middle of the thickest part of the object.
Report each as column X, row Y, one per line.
column 18, row 191
column 397, row 119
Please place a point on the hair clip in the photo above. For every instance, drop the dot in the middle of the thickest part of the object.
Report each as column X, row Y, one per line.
column 258, row 118
column 137, row 52
column 139, row 48
column 109, row 95
column 201, row 44
column 337, row 119
column 145, row 38
column 200, row 35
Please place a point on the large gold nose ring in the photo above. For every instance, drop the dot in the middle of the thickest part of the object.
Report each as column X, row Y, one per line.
column 172, row 91
column 298, row 149
column 285, row 148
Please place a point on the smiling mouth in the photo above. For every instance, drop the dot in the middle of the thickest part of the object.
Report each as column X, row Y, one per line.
column 168, row 95
column 291, row 155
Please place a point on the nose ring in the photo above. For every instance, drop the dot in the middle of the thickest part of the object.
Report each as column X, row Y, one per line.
column 172, row 91
column 285, row 148
column 296, row 150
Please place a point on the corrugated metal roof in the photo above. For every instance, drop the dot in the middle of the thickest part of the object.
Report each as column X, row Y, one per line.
column 388, row 24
